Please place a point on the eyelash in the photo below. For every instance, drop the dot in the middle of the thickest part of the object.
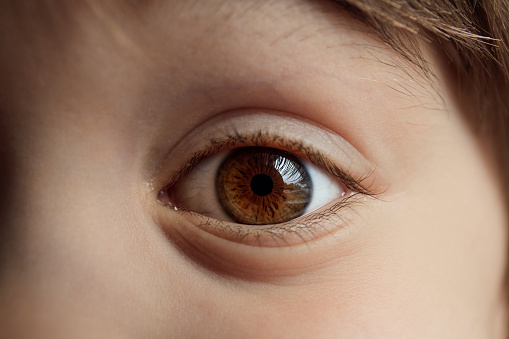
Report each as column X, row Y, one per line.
column 261, row 139
column 301, row 229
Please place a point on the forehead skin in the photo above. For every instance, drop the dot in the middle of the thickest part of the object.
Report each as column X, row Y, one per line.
column 93, row 99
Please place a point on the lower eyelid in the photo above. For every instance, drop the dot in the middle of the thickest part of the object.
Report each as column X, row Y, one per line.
column 327, row 239
column 305, row 229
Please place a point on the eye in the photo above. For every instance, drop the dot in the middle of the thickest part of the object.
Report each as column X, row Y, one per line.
column 254, row 186
column 260, row 178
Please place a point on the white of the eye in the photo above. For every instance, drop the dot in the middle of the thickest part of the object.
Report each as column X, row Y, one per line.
column 198, row 192
column 324, row 190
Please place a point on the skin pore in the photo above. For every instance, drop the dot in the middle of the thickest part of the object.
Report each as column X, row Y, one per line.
column 103, row 106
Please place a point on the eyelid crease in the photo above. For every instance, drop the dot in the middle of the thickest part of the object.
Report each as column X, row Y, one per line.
column 260, row 138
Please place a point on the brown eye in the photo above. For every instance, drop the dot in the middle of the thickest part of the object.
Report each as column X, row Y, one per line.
column 263, row 186
column 253, row 186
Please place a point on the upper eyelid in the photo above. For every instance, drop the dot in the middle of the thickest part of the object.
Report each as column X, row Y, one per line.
column 261, row 127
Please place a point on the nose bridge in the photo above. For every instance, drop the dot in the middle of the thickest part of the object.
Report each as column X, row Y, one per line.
column 49, row 186
column 70, row 220
column 68, row 177
column 7, row 198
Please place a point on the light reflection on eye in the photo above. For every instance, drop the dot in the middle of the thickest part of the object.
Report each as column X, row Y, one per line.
column 254, row 186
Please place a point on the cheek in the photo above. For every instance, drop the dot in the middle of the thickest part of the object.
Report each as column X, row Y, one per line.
column 441, row 239
column 430, row 256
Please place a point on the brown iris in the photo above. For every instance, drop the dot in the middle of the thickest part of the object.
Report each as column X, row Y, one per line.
column 258, row 185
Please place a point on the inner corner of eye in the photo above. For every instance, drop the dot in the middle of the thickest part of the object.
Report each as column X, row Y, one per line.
column 163, row 197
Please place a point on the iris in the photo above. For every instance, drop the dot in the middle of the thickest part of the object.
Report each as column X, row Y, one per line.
column 260, row 185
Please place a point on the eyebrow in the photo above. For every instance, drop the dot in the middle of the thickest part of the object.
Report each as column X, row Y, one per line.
column 229, row 9
column 412, row 61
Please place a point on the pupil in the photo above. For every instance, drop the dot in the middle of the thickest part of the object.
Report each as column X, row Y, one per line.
column 261, row 184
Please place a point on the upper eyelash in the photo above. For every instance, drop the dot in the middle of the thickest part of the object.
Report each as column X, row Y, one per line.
column 260, row 138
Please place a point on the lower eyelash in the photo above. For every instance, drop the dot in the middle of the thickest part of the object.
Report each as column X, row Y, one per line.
column 298, row 231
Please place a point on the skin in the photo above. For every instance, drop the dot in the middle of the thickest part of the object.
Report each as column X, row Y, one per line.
column 93, row 103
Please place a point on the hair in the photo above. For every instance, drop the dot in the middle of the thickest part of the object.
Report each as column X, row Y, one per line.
column 473, row 38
